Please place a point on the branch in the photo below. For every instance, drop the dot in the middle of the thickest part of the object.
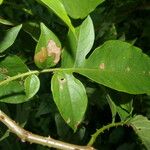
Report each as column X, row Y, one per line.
column 34, row 138
column 101, row 130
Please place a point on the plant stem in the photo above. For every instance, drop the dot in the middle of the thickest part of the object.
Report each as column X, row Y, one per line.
column 101, row 130
column 22, row 75
column 34, row 138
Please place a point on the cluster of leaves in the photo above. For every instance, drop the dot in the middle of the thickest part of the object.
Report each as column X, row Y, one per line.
column 65, row 63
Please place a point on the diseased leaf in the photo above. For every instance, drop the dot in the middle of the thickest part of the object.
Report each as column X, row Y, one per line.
column 48, row 49
column 12, row 92
column 32, row 85
column 80, row 45
column 57, row 7
column 120, row 66
column 70, row 97
column 80, row 8
column 8, row 38
column 12, row 65
column 141, row 125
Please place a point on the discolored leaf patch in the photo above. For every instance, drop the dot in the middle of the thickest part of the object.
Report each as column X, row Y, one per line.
column 52, row 51
column 48, row 49
column 41, row 56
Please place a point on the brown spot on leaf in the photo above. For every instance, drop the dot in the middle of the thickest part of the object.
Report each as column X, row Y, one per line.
column 41, row 56
column 3, row 70
column 102, row 66
column 53, row 50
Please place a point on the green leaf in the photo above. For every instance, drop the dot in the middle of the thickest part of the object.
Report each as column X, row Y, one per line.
column 120, row 66
column 125, row 110
column 5, row 22
column 6, row 134
column 48, row 49
column 141, row 125
column 1, row 1
column 15, row 99
column 12, row 65
column 80, row 8
column 32, row 85
column 12, row 92
column 112, row 107
column 80, row 45
column 9, row 37
column 70, row 97
column 57, row 7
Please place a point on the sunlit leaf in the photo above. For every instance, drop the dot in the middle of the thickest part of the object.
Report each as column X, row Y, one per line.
column 1, row 1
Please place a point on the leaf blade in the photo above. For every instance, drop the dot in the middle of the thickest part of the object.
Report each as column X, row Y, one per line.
column 80, row 8
column 141, row 125
column 57, row 7
column 48, row 49
column 69, row 94
column 79, row 45
column 120, row 66
column 32, row 85
column 9, row 38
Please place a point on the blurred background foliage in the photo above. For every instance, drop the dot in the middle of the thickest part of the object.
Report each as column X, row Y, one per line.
column 126, row 20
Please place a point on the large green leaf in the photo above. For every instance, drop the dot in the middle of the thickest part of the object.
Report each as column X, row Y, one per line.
column 119, row 65
column 57, row 7
column 8, row 38
column 32, row 85
column 80, row 8
column 141, row 125
column 78, row 46
column 48, row 49
column 70, row 97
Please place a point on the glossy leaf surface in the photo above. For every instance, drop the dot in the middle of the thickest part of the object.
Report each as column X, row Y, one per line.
column 120, row 66
column 70, row 97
